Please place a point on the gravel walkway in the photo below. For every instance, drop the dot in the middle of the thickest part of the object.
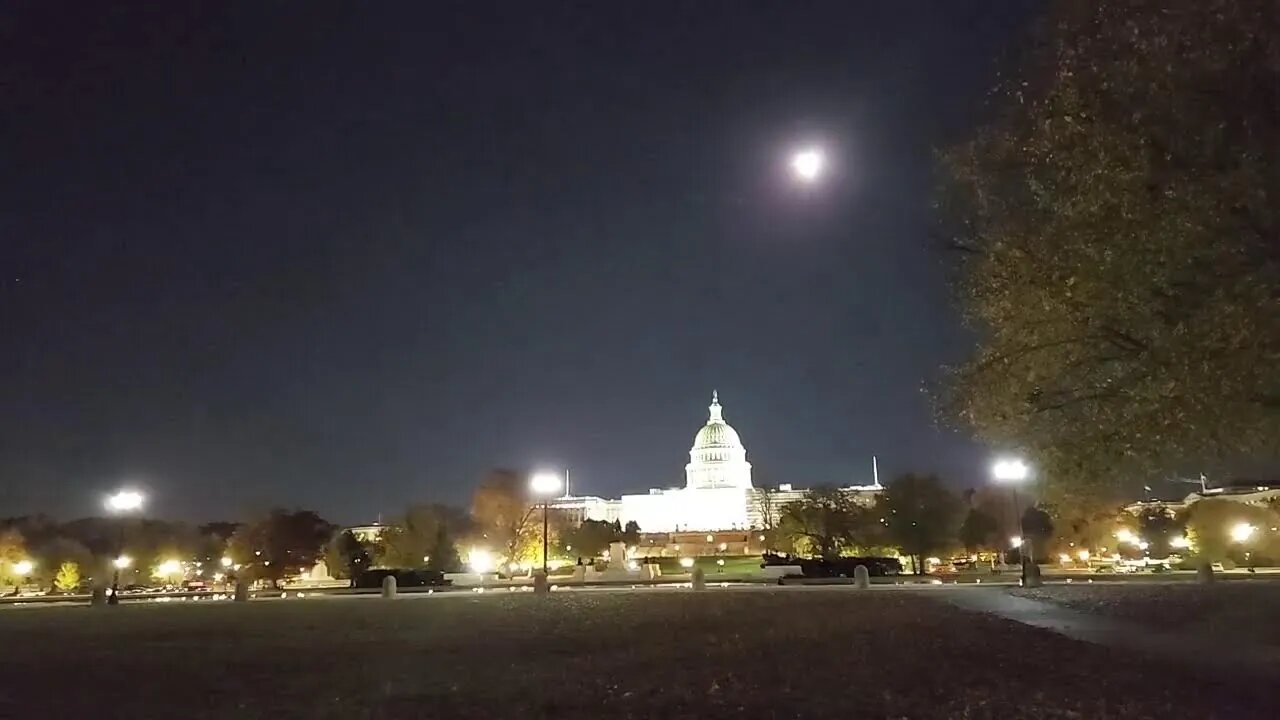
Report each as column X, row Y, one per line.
column 751, row 653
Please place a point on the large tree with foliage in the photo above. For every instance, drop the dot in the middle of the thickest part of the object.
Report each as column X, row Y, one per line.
column 921, row 516
column 424, row 536
column 826, row 521
column 1210, row 524
column 67, row 578
column 1121, row 245
column 590, row 538
column 980, row 531
column 281, row 544
column 503, row 512
column 347, row 557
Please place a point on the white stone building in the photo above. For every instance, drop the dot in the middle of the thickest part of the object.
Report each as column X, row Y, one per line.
column 718, row 492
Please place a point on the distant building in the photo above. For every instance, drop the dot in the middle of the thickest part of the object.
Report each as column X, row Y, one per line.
column 718, row 494
column 1244, row 492
column 368, row 533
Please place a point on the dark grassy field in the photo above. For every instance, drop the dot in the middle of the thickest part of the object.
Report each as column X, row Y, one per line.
column 1231, row 610
column 754, row 653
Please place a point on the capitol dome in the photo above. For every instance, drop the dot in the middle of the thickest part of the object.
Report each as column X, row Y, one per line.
column 717, row 458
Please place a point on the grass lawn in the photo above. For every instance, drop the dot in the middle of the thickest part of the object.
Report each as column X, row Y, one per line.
column 749, row 653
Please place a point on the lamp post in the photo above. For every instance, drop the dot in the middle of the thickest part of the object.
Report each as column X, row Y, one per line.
column 123, row 501
column 1013, row 472
column 545, row 485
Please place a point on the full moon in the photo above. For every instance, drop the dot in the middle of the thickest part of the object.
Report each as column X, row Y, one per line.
column 808, row 164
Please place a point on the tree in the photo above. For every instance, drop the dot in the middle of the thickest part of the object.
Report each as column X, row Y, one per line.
column 980, row 532
column 12, row 551
column 526, row 547
column 423, row 536
column 826, row 521
column 67, row 579
column 1158, row 528
column 590, row 538
column 631, row 532
column 1210, row 524
column 920, row 516
column 1037, row 526
column 502, row 511
column 767, row 506
column 281, row 544
column 51, row 554
column 346, row 556
column 1118, row 243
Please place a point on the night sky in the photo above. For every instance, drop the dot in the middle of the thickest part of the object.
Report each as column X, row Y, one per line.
column 351, row 258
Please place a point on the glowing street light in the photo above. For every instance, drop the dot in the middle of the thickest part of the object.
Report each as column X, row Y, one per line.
column 226, row 561
column 807, row 164
column 1241, row 532
column 120, row 563
column 120, row 503
column 1083, row 555
column 1179, row 542
column 1013, row 472
column 1125, row 535
column 1010, row 470
column 1015, row 542
column 169, row 568
column 546, row 485
column 480, row 561
column 23, row 568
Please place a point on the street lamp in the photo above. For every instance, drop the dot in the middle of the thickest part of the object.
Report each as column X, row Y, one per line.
column 546, row 485
column 120, row 503
column 1241, row 532
column 1013, row 472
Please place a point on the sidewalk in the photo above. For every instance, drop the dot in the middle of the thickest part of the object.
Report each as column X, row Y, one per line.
column 1194, row 649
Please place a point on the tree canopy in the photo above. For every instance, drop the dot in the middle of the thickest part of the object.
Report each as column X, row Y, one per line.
column 346, row 556
column 281, row 544
column 1210, row 524
column 590, row 538
column 980, row 531
column 1120, row 248
column 920, row 516
column 502, row 511
column 826, row 521
column 423, row 536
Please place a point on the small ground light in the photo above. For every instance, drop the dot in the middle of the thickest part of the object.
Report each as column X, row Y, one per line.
column 686, row 562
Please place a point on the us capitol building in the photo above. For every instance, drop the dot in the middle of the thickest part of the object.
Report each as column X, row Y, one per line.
column 718, row 494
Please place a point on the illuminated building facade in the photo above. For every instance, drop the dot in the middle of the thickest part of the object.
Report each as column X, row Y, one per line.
column 718, row 494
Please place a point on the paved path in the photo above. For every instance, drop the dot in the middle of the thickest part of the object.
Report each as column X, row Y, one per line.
column 1196, row 649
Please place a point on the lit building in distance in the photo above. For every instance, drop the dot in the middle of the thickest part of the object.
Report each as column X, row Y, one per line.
column 718, row 494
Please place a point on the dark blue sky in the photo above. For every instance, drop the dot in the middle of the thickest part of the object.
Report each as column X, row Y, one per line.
column 352, row 258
